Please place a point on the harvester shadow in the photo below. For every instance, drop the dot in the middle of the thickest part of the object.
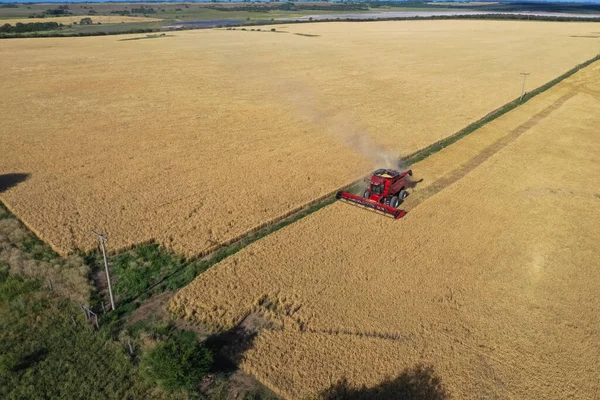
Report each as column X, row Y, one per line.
column 7, row 181
column 413, row 184
column 229, row 347
column 417, row 383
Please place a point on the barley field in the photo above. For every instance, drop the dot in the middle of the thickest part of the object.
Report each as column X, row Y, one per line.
column 103, row 19
column 491, row 279
column 194, row 139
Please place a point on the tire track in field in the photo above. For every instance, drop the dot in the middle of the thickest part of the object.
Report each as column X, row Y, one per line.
column 419, row 196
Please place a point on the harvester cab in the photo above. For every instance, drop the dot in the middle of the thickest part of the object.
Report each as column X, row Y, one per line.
column 385, row 193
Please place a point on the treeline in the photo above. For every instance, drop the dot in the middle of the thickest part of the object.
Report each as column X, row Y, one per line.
column 61, row 10
column 141, row 10
column 30, row 27
column 407, row 3
column 490, row 16
column 290, row 6
column 539, row 7
column 4, row 35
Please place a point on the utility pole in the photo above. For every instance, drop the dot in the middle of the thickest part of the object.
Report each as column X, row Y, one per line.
column 523, row 86
column 102, row 240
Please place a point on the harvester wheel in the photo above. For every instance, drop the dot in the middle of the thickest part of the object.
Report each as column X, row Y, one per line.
column 403, row 194
column 394, row 202
column 366, row 194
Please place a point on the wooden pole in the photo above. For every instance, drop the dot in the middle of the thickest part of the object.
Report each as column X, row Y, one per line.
column 102, row 240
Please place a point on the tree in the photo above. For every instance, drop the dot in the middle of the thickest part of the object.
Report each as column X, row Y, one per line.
column 179, row 363
column 85, row 21
column 289, row 6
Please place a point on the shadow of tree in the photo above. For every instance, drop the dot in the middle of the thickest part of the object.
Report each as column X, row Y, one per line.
column 9, row 180
column 228, row 348
column 417, row 383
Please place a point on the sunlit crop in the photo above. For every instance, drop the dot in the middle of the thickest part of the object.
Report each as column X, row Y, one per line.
column 491, row 278
column 195, row 139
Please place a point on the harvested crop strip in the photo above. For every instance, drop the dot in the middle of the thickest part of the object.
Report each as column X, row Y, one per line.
column 491, row 279
column 198, row 139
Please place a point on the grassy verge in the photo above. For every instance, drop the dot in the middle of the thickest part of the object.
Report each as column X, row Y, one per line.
column 47, row 354
column 49, row 350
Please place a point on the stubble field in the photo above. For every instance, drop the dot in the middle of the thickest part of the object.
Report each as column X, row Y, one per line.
column 491, row 280
column 196, row 139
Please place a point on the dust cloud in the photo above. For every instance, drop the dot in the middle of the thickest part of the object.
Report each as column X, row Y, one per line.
column 311, row 106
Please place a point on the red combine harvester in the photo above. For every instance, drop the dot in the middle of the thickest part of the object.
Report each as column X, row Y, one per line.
column 386, row 191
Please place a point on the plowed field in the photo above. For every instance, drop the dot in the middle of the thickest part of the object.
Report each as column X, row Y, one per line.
column 196, row 139
column 491, row 280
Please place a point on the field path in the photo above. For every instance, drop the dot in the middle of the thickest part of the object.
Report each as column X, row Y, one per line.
column 420, row 196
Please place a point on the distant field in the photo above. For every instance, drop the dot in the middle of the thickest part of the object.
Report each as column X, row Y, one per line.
column 490, row 280
column 196, row 139
column 178, row 11
column 104, row 19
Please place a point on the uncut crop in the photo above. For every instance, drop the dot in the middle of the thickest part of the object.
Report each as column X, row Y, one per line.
column 491, row 279
column 196, row 139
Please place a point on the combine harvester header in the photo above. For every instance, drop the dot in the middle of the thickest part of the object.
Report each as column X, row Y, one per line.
column 386, row 191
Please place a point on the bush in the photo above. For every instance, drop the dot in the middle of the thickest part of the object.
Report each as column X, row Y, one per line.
column 138, row 269
column 177, row 364
column 85, row 21
column 273, row 29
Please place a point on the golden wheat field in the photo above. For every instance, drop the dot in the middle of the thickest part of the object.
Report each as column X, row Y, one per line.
column 491, row 279
column 194, row 139
column 103, row 19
